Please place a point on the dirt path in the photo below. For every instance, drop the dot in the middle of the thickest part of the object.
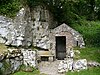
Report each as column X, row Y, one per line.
column 49, row 68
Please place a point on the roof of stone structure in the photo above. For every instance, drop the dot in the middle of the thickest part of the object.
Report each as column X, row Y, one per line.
column 65, row 28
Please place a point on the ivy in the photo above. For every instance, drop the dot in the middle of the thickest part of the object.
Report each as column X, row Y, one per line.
column 9, row 7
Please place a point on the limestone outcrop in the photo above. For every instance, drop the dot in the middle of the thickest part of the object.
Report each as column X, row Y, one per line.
column 16, row 32
column 14, row 58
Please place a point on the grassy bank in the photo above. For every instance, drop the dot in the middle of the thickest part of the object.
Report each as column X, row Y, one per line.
column 90, row 71
column 89, row 53
column 27, row 73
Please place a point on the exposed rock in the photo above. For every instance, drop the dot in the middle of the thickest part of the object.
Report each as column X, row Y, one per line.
column 65, row 65
column 70, row 53
column 71, row 65
column 80, row 64
column 15, row 64
column 16, row 32
column 6, row 29
column 77, row 51
column 93, row 64
column 62, row 67
column 29, row 57
column 2, row 40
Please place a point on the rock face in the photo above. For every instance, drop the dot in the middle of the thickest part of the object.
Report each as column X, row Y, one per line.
column 29, row 58
column 42, row 21
column 38, row 27
column 6, row 29
column 35, row 27
column 71, row 65
column 16, row 32
column 13, row 60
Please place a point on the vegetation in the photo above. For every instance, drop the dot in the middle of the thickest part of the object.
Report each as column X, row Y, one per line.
column 27, row 73
column 90, row 71
column 5, row 69
column 3, row 48
column 82, row 15
column 70, row 10
column 89, row 53
column 90, row 31
column 9, row 7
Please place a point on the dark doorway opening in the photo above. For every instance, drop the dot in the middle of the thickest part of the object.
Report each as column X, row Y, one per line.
column 60, row 47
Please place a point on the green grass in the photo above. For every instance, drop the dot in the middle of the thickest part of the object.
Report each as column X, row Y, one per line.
column 90, row 53
column 36, row 72
column 90, row 71
column 27, row 73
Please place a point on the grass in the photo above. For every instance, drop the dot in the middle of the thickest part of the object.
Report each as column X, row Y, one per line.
column 27, row 73
column 90, row 53
column 90, row 71
column 31, row 71
column 36, row 72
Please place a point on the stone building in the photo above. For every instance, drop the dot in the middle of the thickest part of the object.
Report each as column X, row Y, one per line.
column 38, row 27
column 54, row 39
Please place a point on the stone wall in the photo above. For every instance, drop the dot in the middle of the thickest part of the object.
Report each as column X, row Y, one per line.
column 14, row 58
column 18, row 31
column 43, row 20
column 34, row 27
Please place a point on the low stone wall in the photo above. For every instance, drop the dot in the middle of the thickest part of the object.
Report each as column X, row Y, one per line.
column 72, row 64
column 11, row 61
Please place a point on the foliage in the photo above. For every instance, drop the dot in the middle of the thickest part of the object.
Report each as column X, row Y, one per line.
column 69, row 11
column 5, row 69
column 27, row 73
column 27, row 70
column 90, row 71
column 90, row 31
column 9, row 7
column 89, row 53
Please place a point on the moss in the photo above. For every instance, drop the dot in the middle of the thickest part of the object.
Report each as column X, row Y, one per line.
column 27, row 68
column 3, row 48
column 27, row 71
column 89, row 53
column 6, row 68
column 90, row 71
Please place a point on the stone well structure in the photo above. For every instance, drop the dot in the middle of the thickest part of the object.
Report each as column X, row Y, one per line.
column 46, row 34
column 37, row 27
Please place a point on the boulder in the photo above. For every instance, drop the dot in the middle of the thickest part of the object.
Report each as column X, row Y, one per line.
column 29, row 57
column 93, row 64
column 15, row 64
column 80, row 64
